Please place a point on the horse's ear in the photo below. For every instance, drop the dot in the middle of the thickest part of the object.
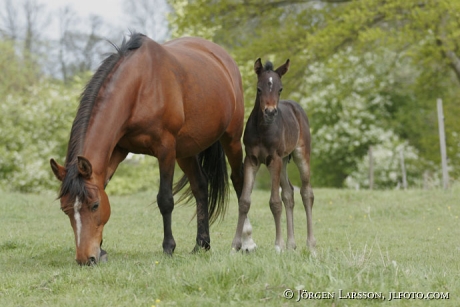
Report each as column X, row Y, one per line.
column 283, row 68
column 58, row 170
column 258, row 67
column 84, row 167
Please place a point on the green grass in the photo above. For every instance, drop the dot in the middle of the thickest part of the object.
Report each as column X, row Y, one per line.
column 377, row 241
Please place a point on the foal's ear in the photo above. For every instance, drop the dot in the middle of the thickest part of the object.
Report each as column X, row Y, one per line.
column 258, row 67
column 283, row 68
column 84, row 167
column 58, row 170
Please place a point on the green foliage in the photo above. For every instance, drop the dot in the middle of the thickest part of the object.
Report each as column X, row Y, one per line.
column 18, row 72
column 363, row 70
column 136, row 174
column 34, row 127
column 378, row 241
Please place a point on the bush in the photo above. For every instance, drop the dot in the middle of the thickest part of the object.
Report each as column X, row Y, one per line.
column 34, row 127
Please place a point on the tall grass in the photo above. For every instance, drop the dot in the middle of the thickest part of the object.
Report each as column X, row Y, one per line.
column 368, row 241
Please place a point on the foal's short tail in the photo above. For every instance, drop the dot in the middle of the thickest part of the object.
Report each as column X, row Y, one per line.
column 213, row 164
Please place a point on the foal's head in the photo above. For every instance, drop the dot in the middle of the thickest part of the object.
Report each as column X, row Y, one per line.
column 269, row 87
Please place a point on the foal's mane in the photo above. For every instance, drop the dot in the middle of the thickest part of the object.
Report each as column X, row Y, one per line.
column 268, row 66
column 73, row 184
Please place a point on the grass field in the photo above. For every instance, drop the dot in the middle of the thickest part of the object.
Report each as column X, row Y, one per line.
column 368, row 241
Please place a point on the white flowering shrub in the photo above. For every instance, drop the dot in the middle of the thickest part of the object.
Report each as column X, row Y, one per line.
column 34, row 127
column 387, row 166
column 349, row 111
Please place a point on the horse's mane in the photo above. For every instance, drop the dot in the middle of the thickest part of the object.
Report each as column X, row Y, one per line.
column 268, row 66
column 73, row 184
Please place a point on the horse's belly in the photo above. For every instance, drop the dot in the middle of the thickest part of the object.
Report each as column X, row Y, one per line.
column 194, row 142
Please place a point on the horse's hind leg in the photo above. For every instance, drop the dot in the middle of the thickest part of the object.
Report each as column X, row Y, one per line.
column 234, row 153
column 301, row 159
column 275, row 167
column 243, row 239
column 199, row 187
column 287, row 195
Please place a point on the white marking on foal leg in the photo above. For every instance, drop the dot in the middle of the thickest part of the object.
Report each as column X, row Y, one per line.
column 76, row 209
column 248, row 244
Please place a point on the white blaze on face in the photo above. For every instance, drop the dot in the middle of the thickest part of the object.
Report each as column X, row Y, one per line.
column 270, row 83
column 77, row 217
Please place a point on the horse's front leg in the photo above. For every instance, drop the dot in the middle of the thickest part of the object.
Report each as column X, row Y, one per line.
column 243, row 239
column 165, row 200
column 275, row 201
column 118, row 155
column 199, row 185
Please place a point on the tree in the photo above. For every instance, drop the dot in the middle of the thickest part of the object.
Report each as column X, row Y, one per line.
column 148, row 17
column 79, row 49
column 22, row 23
column 416, row 41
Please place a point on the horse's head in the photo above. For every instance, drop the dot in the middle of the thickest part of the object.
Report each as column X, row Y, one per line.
column 86, row 204
column 269, row 87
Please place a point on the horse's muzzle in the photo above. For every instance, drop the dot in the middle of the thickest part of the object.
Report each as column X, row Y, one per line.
column 270, row 114
column 93, row 260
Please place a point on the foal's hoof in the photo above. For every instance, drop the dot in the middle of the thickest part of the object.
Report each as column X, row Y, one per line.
column 103, row 256
column 248, row 246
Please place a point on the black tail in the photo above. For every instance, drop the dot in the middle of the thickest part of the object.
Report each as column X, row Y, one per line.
column 213, row 164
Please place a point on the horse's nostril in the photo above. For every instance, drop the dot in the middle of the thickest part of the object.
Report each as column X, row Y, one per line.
column 92, row 260
column 271, row 112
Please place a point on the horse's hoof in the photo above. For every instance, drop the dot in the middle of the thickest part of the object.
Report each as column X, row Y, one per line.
column 169, row 246
column 198, row 249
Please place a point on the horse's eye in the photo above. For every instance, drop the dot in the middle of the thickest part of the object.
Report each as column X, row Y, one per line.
column 95, row 206
column 280, row 91
column 259, row 91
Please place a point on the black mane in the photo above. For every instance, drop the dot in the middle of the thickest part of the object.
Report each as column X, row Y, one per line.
column 73, row 184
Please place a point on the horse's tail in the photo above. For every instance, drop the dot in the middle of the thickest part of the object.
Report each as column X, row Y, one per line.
column 212, row 161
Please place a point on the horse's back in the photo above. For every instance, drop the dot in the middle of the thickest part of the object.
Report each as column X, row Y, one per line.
column 195, row 51
column 296, row 110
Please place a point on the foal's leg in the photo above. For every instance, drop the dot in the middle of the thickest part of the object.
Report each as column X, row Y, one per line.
column 275, row 167
column 243, row 239
column 303, row 164
column 287, row 195
column 165, row 200
column 199, row 186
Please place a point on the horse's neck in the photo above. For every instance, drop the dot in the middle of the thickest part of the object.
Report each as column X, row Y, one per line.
column 103, row 133
column 256, row 114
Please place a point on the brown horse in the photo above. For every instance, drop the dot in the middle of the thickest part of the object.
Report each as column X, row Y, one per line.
column 276, row 131
column 181, row 101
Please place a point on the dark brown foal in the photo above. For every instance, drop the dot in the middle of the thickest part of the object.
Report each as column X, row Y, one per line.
column 276, row 131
